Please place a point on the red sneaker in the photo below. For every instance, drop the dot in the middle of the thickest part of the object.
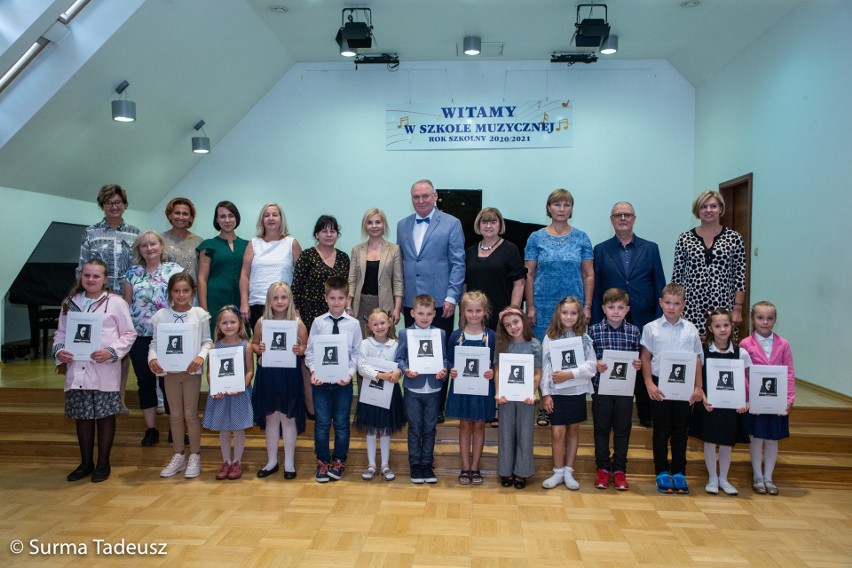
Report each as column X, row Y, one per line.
column 619, row 480
column 602, row 479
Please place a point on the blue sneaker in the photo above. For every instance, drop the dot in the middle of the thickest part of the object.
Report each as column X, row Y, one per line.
column 680, row 485
column 336, row 469
column 664, row 482
column 322, row 472
column 417, row 474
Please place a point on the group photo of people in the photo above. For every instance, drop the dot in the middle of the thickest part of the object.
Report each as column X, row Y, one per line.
column 283, row 331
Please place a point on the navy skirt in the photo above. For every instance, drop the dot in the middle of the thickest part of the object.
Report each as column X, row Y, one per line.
column 568, row 409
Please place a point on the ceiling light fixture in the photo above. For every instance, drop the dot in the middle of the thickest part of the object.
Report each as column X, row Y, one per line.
column 123, row 110
column 609, row 45
column 354, row 35
column 591, row 31
column 472, row 45
column 200, row 144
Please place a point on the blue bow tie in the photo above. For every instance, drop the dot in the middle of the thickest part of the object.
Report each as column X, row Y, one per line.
column 419, row 220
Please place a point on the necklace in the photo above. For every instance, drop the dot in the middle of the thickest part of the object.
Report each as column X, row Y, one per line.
column 483, row 247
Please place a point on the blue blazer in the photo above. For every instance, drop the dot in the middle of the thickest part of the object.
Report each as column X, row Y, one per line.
column 644, row 282
column 439, row 268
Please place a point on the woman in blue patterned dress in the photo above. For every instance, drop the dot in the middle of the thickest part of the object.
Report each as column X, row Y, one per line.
column 559, row 264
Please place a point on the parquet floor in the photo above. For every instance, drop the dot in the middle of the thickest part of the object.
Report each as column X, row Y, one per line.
column 253, row 522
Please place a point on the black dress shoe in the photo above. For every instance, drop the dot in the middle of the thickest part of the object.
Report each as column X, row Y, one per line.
column 310, row 416
column 520, row 483
column 152, row 437
column 441, row 418
column 506, row 481
column 289, row 474
column 101, row 473
column 647, row 423
column 81, row 472
column 267, row 472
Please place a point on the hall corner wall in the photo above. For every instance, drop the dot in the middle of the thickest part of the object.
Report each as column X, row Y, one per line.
column 781, row 110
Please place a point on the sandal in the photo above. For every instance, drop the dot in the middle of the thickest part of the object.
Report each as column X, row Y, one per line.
column 543, row 419
column 369, row 473
column 476, row 477
column 464, row 477
column 495, row 423
column 387, row 473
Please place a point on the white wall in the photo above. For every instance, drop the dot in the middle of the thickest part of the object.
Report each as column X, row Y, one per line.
column 316, row 144
column 781, row 110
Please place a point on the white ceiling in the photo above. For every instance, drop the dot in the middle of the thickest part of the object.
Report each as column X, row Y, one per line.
column 214, row 59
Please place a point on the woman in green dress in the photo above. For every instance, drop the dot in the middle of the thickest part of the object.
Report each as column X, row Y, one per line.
column 220, row 260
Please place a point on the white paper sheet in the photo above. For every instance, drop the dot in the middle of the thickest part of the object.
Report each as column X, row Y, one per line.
column 331, row 358
column 425, row 350
column 83, row 334
column 227, row 367
column 726, row 383
column 279, row 337
column 516, row 376
column 175, row 346
column 620, row 377
column 471, row 364
column 377, row 393
column 767, row 389
column 567, row 355
column 677, row 374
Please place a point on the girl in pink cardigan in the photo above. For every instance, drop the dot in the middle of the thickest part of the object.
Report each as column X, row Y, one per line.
column 767, row 348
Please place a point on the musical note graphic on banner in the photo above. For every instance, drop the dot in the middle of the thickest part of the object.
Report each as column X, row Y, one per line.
column 566, row 103
column 403, row 120
column 545, row 118
column 563, row 123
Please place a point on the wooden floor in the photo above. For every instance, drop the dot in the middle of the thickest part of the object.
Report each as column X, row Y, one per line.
column 273, row 522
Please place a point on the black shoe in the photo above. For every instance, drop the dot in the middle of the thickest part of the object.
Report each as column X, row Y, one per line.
column 310, row 416
column 506, row 481
column 101, row 473
column 267, row 472
column 520, row 483
column 81, row 472
column 186, row 439
column 152, row 437
column 416, row 474
column 441, row 418
column 647, row 423
column 428, row 474
column 289, row 474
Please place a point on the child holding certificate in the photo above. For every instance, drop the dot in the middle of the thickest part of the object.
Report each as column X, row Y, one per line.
column 472, row 410
column 515, row 434
column 183, row 387
column 422, row 395
column 719, row 426
column 613, row 413
column 566, row 404
column 231, row 412
column 768, row 348
column 279, row 392
column 380, row 343
column 92, row 387
column 671, row 417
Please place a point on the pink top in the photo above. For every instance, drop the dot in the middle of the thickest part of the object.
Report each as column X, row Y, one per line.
column 781, row 355
column 117, row 335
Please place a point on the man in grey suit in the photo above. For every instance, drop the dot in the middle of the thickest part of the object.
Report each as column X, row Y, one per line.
column 432, row 247
column 625, row 261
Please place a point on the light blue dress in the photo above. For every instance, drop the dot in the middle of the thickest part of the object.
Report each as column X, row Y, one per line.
column 232, row 412
column 558, row 272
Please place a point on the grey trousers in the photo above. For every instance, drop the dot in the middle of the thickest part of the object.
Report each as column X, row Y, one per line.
column 515, row 452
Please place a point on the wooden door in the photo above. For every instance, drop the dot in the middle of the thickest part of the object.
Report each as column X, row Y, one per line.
column 737, row 195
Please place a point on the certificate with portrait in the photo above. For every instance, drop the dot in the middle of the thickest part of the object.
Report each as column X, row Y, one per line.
column 83, row 334
column 331, row 358
column 725, row 382
column 677, row 374
column 425, row 350
column 767, row 389
column 279, row 337
column 567, row 355
column 175, row 346
column 516, row 376
column 620, row 375
column 227, row 368
column 374, row 392
column 470, row 365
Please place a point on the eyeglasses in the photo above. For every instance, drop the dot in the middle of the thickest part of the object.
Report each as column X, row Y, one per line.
column 622, row 216
column 116, row 203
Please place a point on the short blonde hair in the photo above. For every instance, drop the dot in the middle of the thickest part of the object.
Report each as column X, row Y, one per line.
column 144, row 237
column 369, row 213
column 558, row 195
column 489, row 214
column 261, row 228
column 702, row 199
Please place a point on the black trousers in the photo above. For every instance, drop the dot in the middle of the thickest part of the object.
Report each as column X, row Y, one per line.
column 671, row 424
column 612, row 414
column 443, row 323
column 145, row 379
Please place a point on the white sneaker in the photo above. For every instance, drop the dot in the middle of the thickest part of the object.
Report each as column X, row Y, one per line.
column 712, row 487
column 729, row 489
column 570, row 482
column 177, row 464
column 555, row 479
column 193, row 467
